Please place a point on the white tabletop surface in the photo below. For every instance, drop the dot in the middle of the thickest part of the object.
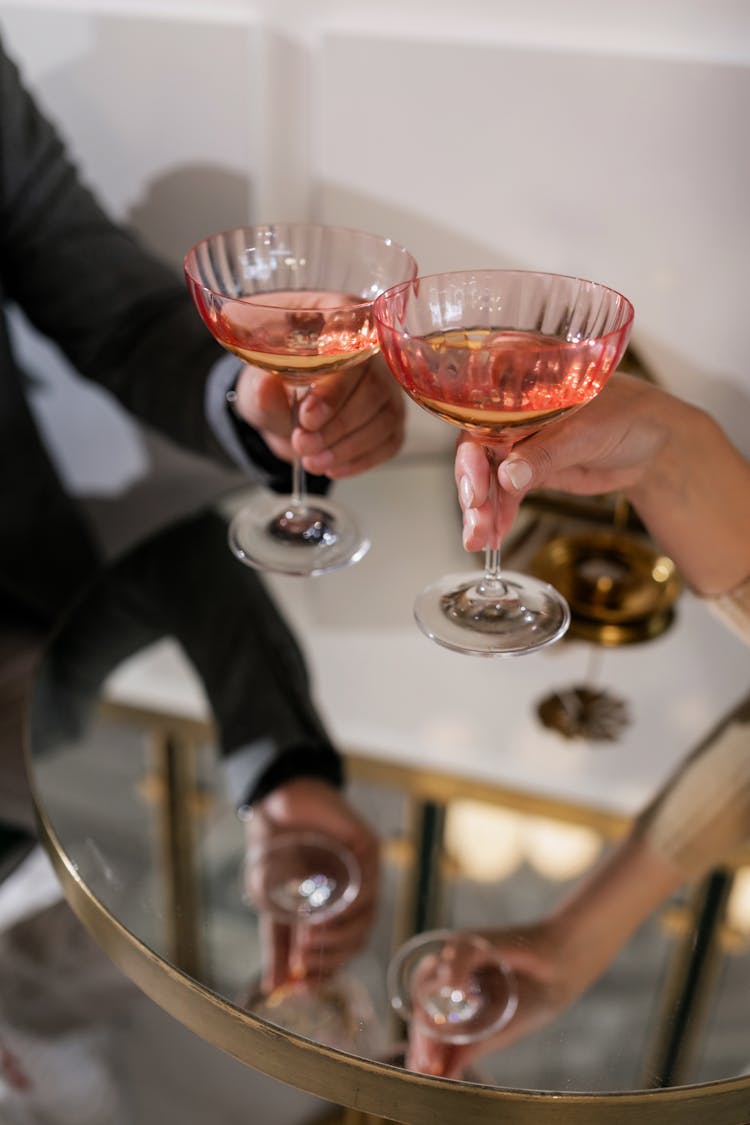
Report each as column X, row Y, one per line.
column 388, row 692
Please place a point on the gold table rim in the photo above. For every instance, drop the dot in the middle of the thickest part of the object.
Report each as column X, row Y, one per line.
column 363, row 1084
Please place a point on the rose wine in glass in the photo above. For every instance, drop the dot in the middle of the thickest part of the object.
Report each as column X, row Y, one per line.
column 452, row 986
column 295, row 299
column 499, row 353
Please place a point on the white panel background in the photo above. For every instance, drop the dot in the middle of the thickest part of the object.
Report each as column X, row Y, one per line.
column 606, row 140
column 633, row 171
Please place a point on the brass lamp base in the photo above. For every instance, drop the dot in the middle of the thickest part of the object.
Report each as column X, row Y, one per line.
column 620, row 590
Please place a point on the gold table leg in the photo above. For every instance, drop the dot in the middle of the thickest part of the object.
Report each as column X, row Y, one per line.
column 175, row 764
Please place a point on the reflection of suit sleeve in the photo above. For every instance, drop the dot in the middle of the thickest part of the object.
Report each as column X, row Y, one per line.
column 123, row 318
column 701, row 817
column 184, row 583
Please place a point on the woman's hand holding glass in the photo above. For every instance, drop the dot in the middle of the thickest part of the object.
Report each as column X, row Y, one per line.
column 554, row 959
column 543, row 988
column 608, row 448
column 684, row 477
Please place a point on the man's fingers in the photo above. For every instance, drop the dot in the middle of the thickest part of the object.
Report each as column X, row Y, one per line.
column 367, row 431
column 380, row 439
column 329, row 396
column 276, row 942
column 263, row 401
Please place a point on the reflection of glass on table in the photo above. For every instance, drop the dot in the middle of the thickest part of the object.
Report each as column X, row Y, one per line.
column 336, row 1011
column 303, row 879
column 452, row 987
column 105, row 798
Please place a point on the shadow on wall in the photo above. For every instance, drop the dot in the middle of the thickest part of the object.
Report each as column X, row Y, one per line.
column 188, row 203
column 130, row 479
column 438, row 248
column 176, row 210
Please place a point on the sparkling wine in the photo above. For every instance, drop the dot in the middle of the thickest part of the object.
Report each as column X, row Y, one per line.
column 298, row 332
column 486, row 380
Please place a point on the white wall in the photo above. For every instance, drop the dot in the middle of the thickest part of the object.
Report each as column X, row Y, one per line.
column 605, row 140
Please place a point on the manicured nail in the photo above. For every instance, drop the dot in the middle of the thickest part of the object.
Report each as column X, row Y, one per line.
column 519, row 473
column 466, row 492
column 470, row 525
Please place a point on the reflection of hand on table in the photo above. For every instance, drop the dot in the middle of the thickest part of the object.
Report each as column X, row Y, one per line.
column 532, row 953
column 556, row 958
column 312, row 952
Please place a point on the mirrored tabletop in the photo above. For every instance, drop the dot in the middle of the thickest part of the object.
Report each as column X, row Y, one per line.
column 486, row 816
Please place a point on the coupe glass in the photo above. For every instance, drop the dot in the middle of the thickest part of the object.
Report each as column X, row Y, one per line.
column 452, row 986
column 296, row 299
column 304, row 878
column 499, row 353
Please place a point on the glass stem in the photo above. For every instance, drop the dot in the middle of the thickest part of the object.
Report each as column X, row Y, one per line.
column 298, row 498
column 492, row 581
column 491, row 565
column 296, row 969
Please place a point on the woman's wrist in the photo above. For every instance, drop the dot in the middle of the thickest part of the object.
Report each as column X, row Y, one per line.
column 599, row 917
column 693, row 495
column 674, row 429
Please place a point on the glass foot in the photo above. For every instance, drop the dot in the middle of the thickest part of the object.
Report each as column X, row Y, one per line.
column 463, row 614
column 269, row 534
column 302, row 525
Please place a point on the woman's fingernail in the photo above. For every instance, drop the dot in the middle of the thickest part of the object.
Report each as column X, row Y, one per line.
column 470, row 525
column 519, row 473
column 466, row 492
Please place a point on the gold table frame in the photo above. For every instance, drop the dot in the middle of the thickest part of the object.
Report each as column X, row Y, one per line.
column 367, row 1091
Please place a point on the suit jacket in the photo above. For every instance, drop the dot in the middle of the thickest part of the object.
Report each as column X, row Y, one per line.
column 124, row 320
column 121, row 317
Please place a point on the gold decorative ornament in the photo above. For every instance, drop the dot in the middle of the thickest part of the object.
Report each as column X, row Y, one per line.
column 620, row 589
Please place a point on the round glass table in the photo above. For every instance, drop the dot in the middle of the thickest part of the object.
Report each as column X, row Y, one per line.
column 486, row 817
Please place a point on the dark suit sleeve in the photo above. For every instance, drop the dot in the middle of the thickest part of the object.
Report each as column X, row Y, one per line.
column 248, row 660
column 123, row 318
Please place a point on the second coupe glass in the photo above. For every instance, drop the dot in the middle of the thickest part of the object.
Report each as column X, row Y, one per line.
column 499, row 353
column 300, row 879
column 452, row 986
column 296, row 299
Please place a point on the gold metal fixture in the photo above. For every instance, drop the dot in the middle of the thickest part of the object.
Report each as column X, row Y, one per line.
column 620, row 589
